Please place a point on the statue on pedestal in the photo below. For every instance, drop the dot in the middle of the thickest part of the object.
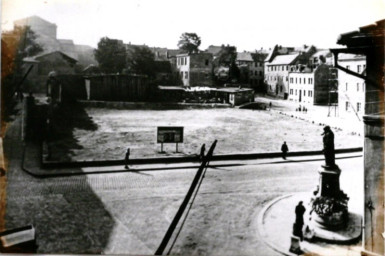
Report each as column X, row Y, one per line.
column 329, row 204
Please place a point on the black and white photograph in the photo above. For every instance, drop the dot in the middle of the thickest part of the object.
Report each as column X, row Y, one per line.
column 175, row 127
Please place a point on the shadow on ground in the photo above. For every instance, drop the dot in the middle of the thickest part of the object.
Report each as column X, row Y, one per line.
column 67, row 215
column 65, row 118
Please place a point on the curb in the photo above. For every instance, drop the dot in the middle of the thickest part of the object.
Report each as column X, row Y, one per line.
column 261, row 229
column 192, row 158
column 69, row 169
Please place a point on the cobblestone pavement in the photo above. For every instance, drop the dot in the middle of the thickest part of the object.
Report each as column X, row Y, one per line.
column 130, row 212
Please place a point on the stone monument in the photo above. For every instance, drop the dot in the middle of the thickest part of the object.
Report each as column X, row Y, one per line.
column 329, row 217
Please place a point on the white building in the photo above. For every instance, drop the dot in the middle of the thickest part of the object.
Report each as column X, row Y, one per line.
column 301, row 87
column 311, row 86
column 351, row 89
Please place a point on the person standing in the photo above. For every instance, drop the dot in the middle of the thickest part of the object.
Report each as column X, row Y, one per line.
column 298, row 224
column 202, row 153
column 284, row 149
column 127, row 158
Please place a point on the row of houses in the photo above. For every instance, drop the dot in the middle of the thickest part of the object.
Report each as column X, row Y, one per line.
column 299, row 74
column 307, row 76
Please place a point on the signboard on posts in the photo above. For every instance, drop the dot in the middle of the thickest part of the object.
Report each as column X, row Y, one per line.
column 170, row 134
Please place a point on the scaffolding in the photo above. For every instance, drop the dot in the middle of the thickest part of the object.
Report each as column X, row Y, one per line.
column 332, row 91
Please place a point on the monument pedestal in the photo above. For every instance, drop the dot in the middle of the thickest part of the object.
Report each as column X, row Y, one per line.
column 329, row 218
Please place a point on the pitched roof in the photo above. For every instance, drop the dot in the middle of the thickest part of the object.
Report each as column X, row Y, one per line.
column 37, row 57
column 284, row 59
column 244, row 56
column 369, row 35
column 215, row 50
column 259, row 56
column 347, row 56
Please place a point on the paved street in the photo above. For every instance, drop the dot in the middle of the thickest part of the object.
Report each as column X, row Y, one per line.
column 130, row 212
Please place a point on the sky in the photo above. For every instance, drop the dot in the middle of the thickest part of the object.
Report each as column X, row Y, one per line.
column 247, row 24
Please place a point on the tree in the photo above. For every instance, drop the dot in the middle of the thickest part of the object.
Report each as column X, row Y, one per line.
column 142, row 61
column 15, row 46
column 226, row 58
column 111, row 55
column 189, row 42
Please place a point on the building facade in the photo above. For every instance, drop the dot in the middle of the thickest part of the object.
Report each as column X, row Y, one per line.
column 278, row 64
column 46, row 37
column 351, row 89
column 195, row 69
column 311, row 87
column 251, row 66
column 44, row 64
column 369, row 40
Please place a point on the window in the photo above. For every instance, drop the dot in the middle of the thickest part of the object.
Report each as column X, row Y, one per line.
column 358, row 106
column 295, row 91
column 295, row 80
column 260, row 73
column 346, row 87
column 206, row 62
column 364, row 66
column 346, row 105
column 304, row 93
column 358, row 68
column 181, row 74
column 358, row 87
column 287, row 68
column 287, row 79
column 291, row 80
column 308, row 93
column 186, row 75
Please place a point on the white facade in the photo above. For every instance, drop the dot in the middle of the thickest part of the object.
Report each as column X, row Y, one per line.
column 351, row 89
column 301, row 87
column 183, row 65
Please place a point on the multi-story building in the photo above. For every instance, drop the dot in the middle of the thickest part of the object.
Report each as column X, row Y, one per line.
column 195, row 69
column 258, row 72
column 351, row 89
column 278, row 64
column 309, row 86
column 46, row 37
column 252, row 65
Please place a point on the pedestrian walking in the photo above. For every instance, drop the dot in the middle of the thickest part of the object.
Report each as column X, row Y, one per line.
column 202, row 154
column 298, row 224
column 127, row 158
column 270, row 105
column 284, row 149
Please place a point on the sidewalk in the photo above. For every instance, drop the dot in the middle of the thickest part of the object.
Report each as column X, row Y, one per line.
column 317, row 114
column 32, row 164
column 275, row 227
